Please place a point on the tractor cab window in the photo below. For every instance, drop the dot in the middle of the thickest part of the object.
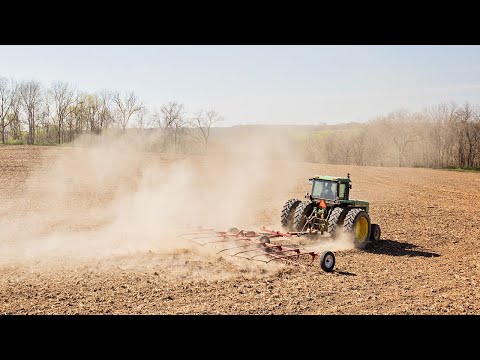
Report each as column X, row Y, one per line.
column 323, row 189
column 343, row 192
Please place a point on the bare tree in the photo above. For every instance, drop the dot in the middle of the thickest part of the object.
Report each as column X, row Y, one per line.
column 62, row 96
column 126, row 107
column 399, row 125
column 203, row 122
column 374, row 150
column 172, row 121
column 313, row 148
column 92, row 112
column 79, row 119
column 440, row 118
column 105, row 117
column 143, row 121
column 466, row 134
column 8, row 93
column 345, row 147
column 358, row 139
column 31, row 97
column 46, row 133
column 476, row 139
column 13, row 117
column 157, row 119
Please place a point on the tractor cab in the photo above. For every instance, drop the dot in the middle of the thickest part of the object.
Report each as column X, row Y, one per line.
column 330, row 188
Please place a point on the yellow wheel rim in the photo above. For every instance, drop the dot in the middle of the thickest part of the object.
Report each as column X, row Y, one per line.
column 361, row 229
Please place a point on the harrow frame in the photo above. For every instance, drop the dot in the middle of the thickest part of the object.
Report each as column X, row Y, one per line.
column 257, row 245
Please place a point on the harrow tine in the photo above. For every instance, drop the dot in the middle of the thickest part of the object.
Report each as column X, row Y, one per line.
column 276, row 233
column 197, row 232
column 295, row 255
column 287, row 259
column 196, row 229
column 273, row 256
column 199, row 243
column 237, row 247
column 245, row 251
column 224, row 240
column 276, row 254
column 254, row 246
column 247, row 258
column 207, row 237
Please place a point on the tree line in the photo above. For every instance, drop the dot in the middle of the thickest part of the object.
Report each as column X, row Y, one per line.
column 34, row 114
column 444, row 135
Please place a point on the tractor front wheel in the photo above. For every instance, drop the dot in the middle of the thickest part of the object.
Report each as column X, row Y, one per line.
column 357, row 224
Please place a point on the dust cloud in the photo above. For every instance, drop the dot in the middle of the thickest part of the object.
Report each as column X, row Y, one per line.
column 110, row 196
column 342, row 241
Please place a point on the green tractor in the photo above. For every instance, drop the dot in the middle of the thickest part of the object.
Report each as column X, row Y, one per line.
column 328, row 209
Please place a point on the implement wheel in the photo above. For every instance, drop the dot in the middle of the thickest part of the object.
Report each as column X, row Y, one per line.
column 327, row 261
column 264, row 239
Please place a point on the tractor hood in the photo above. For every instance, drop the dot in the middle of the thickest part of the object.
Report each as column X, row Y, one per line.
column 356, row 203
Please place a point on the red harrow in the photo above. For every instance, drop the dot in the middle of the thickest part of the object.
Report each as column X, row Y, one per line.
column 257, row 246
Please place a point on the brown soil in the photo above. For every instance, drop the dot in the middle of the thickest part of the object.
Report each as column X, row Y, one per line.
column 427, row 262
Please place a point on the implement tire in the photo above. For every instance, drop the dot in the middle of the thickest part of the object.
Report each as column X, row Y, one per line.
column 327, row 261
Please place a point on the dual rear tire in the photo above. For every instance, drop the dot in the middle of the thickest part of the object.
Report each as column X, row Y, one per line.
column 358, row 226
column 357, row 223
column 295, row 214
column 288, row 213
column 354, row 222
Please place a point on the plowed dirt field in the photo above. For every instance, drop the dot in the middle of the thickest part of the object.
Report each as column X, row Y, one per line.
column 86, row 231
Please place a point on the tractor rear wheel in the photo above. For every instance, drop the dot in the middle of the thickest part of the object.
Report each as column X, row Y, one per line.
column 288, row 212
column 375, row 232
column 357, row 224
column 337, row 215
column 302, row 212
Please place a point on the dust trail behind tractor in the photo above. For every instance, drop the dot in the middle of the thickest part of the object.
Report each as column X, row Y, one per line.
column 257, row 245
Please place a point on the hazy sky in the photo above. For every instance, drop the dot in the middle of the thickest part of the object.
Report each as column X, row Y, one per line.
column 262, row 83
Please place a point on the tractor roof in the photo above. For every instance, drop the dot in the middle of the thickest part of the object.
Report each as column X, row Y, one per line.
column 331, row 178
